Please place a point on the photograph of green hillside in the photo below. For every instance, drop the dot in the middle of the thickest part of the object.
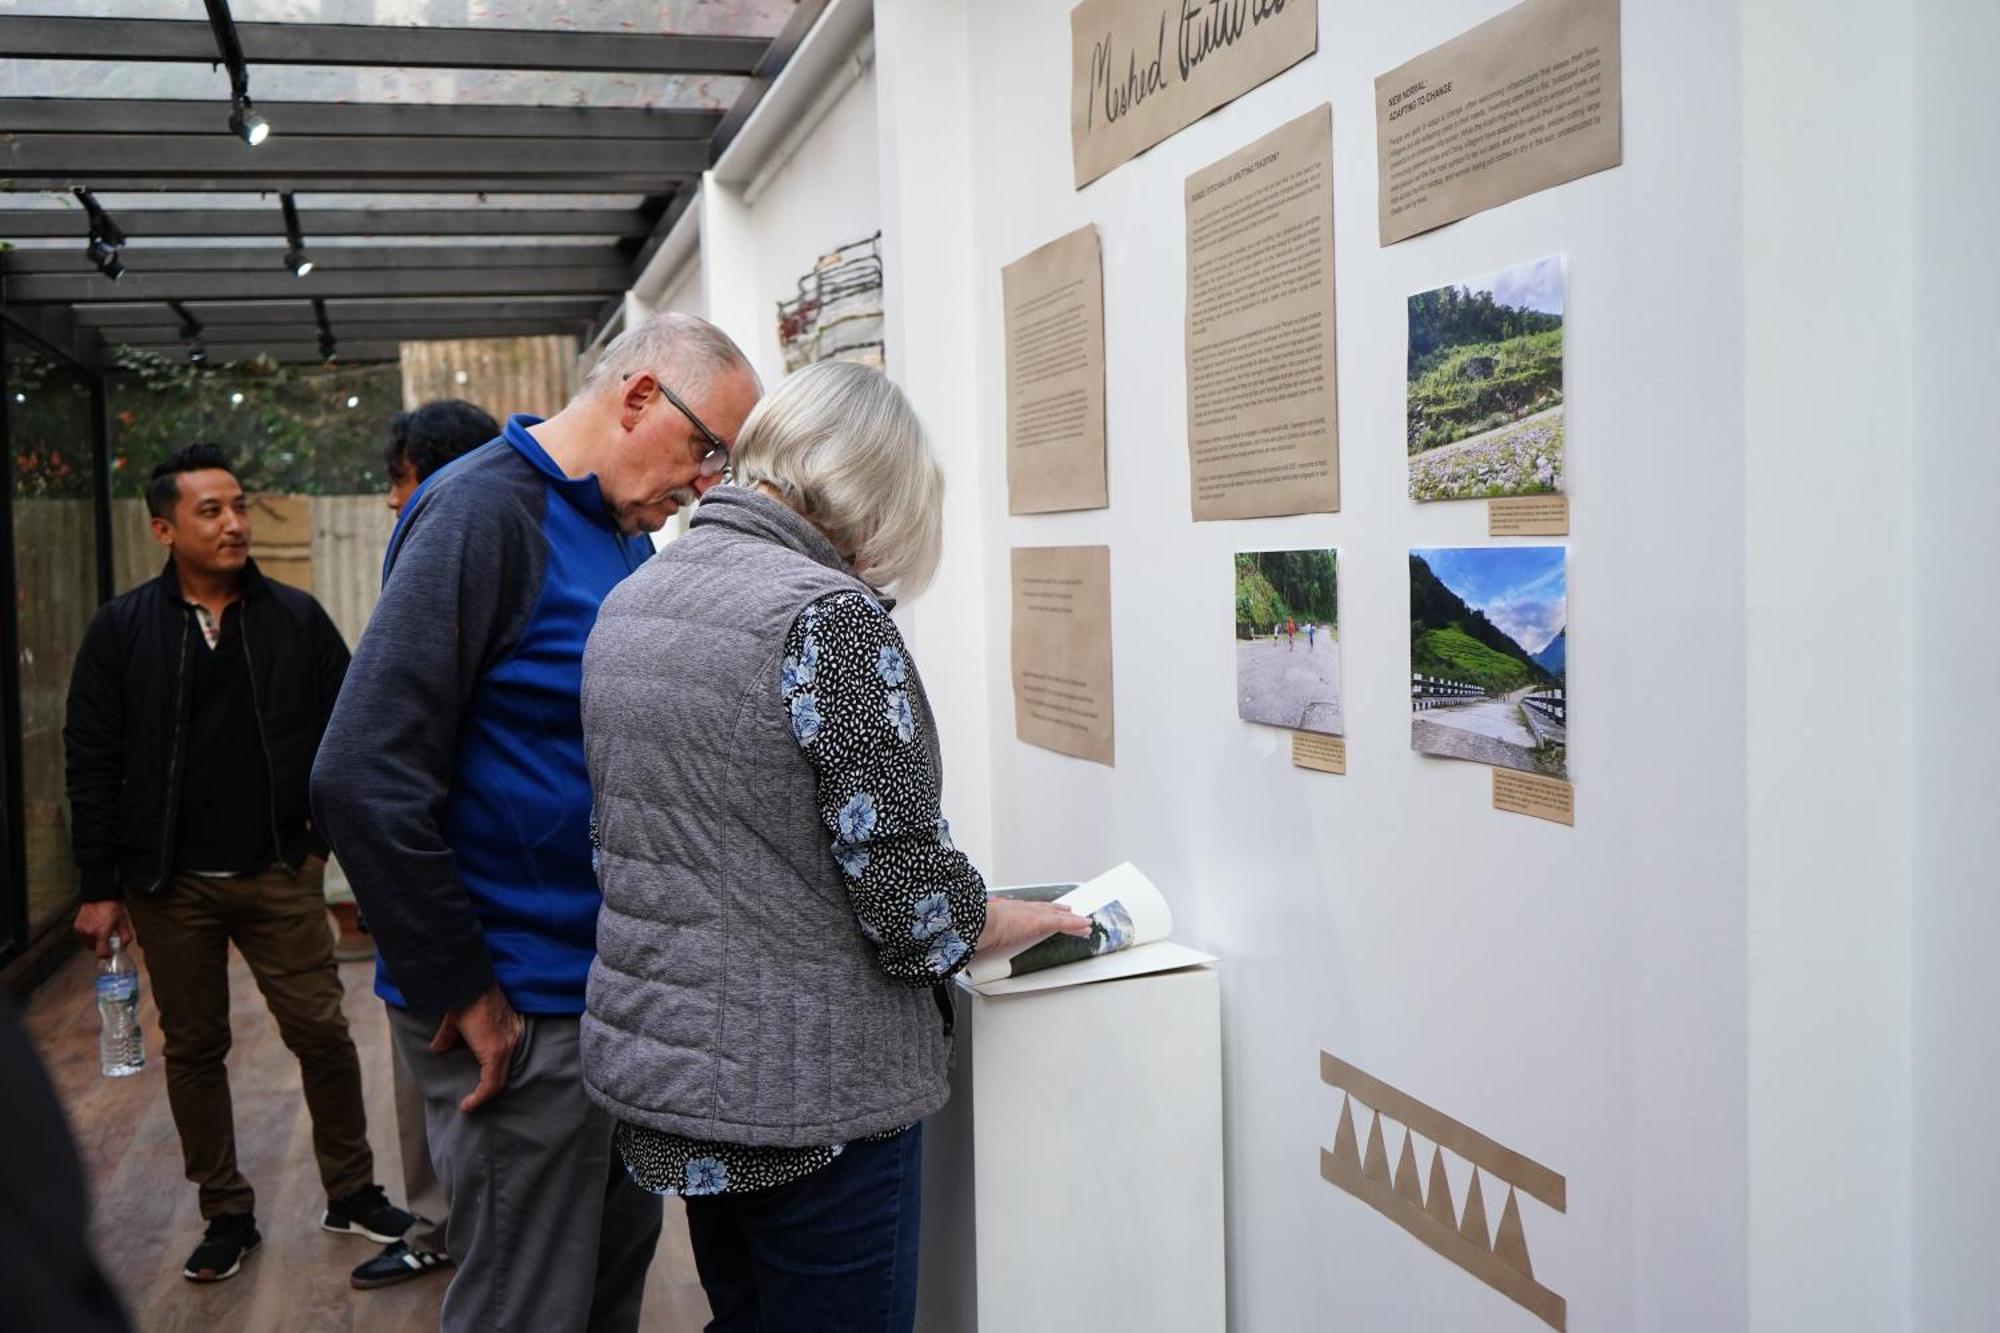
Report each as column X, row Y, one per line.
column 1485, row 394
column 1489, row 656
column 1288, row 640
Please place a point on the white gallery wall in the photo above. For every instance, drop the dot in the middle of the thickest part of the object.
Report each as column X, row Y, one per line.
column 1728, row 1002
column 1955, row 760
column 684, row 292
column 821, row 190
column 1576, row 994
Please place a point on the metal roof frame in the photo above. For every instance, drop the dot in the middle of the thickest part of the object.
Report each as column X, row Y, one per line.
column 563, row 244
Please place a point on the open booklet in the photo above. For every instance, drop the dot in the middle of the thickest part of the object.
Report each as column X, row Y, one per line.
column 1129, row 925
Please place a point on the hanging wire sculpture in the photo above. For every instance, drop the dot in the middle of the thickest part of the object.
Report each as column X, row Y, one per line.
column 837, row 315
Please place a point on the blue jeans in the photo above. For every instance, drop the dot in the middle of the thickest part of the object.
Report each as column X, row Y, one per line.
column 834, row 1252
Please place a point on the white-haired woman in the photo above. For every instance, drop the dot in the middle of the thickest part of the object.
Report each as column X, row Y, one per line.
column 768, row 1013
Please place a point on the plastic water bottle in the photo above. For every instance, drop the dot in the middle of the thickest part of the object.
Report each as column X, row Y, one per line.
column 121, row 1048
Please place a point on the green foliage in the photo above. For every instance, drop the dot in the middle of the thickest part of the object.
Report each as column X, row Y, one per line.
column 1455, row 655
column 1444, row 632
column 288, row 428
column 1460, row 395
column 1453, row 317
column 1275, row 586
column 48, row 427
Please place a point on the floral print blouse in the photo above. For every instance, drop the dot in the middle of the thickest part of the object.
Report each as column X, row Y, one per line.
column 846, row 685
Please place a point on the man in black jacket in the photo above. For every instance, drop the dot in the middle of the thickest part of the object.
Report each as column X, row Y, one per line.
column 195, row 710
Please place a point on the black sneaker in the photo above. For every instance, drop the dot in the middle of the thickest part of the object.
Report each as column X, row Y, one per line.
column 399, row 1263
column 220, row 1254
column 367, row 1213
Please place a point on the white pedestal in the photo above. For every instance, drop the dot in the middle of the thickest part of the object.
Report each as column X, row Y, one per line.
column 1074, row 1183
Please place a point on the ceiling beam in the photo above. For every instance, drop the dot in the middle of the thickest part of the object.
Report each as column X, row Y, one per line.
column 769, row 66
column 384, row 310
column 300, row 330
column 57, row 328
column 46, row 288
column 392, row 45
column 306, row 351
column 141, row 223
column 118, row 115
column 327, row 258
column 658, row 236
column 779, row 54
column 410, row 184
column 297, row 158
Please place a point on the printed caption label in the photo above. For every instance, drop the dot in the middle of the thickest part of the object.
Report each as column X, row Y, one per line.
column 1320, row 753
column 1530, row 794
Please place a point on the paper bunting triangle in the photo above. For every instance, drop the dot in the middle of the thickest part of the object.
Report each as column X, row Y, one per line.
column 1439, row 1205
column 1510, row 1245
column 1408, row 1188
column 1345, row 1148
column 1473, row 1228
column 1376, row 1165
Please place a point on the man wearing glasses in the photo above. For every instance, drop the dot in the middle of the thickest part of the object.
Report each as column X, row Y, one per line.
column 451, row 784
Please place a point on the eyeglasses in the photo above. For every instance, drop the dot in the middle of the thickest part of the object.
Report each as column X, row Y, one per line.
column 716, row 461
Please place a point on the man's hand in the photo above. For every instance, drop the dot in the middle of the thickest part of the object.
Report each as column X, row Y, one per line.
column 96, row 923
column 1009, row 922
column 491, row 1030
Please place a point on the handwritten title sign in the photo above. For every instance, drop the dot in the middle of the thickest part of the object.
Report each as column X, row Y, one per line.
column 1141, row 70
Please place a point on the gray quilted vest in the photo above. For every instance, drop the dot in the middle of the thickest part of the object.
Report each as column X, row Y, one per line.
column 733, row 997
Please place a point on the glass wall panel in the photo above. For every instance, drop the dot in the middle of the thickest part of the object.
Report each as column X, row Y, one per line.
column 51, row 474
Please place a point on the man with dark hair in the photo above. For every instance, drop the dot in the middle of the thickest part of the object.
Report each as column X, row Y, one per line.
column 421, row 442
column 424, row 439
column 195, row 709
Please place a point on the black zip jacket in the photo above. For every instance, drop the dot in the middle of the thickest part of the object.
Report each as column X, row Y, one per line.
column 126, row 731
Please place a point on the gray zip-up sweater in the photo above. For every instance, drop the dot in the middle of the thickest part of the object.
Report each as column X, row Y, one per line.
column 733, row 997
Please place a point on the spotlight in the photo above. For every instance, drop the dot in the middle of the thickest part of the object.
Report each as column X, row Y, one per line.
column 244, row 122
column 197, row 353
column 106, row 240
column 247, row 123
column 328, row 345
column 296, row 258
column 353, row 400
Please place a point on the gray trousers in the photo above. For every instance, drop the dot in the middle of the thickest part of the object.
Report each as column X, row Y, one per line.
column 423, row 1192
column 546, row 1231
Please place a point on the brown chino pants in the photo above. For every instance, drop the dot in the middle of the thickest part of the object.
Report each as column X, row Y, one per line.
column 279, row 924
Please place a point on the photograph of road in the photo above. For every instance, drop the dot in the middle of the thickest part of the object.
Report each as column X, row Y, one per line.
column 1489, row 656
column 1485, row 387
column 1288, row 640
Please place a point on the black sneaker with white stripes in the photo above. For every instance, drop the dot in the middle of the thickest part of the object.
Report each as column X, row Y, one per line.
column 398, row 1263
column 230, row 1237
column 369, row 1213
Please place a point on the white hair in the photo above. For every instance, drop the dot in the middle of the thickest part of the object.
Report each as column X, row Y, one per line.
column 685, row 353
column 845, row 448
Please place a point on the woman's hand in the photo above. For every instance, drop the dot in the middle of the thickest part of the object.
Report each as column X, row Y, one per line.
column 1009, row 922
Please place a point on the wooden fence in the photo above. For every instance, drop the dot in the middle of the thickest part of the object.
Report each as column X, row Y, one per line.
column 502, row 375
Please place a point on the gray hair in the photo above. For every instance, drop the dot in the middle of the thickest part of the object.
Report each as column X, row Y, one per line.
column 845, row 448
column 686, row 353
